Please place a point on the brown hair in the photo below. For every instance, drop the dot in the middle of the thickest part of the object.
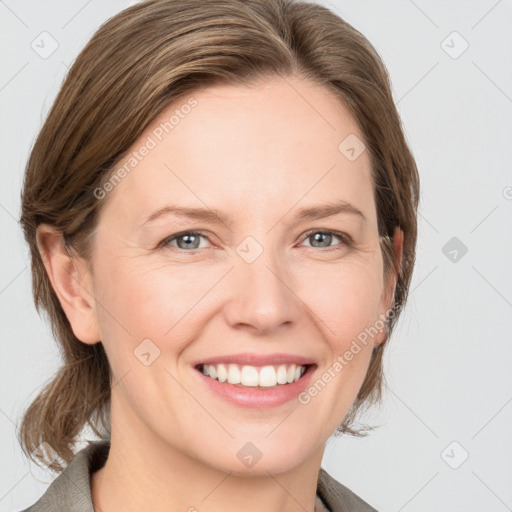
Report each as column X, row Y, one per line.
column 135, row 65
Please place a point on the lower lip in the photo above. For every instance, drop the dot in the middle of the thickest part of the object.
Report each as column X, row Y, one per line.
column 253, row 397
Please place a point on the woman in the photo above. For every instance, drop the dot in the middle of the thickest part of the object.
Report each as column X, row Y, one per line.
column 221, row 210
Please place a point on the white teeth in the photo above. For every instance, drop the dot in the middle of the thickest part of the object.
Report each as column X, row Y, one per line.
column 233, row 374
column 249, row 376
column 290, row 374
column 222, row 373
column 266, row 376
column 282, row 375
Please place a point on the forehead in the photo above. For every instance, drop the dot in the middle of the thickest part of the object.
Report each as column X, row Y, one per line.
column 246, row 149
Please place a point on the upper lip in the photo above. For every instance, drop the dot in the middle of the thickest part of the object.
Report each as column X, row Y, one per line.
column 257, row 359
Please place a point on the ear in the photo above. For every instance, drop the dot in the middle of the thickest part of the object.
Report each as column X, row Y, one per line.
column 398, row 248
column 72, row 282
column 389, row 291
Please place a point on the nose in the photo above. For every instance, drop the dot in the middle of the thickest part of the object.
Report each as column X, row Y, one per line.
column 261, row 296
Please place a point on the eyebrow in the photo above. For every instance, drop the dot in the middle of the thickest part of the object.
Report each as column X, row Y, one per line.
column 314, row 212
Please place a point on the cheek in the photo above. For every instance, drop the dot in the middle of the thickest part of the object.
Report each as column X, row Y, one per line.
column 345, row 298
column 346, row 305
column 140, row 299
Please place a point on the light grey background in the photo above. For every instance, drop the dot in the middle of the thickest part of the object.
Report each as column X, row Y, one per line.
column 449, row 362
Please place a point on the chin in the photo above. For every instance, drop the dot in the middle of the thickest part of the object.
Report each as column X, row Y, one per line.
column 260, row 456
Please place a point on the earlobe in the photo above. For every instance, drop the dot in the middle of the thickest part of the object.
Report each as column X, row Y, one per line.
column 71, row 281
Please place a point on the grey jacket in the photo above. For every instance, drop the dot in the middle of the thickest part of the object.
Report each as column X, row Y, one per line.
column 71, row 490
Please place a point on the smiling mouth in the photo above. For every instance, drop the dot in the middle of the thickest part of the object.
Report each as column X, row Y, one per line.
column 268, row 376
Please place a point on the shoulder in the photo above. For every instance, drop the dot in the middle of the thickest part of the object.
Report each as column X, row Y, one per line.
column 339, row 498
column 71, row 490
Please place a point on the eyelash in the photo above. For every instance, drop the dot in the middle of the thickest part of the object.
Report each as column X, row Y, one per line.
column 346, row 240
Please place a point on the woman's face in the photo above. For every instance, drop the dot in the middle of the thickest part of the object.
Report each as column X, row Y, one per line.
column 248, row 277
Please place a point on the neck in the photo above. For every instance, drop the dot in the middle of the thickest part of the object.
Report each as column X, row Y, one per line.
column 150, row 474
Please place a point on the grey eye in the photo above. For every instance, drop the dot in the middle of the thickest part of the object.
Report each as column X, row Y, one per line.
column 324, row 239
column 189, row 240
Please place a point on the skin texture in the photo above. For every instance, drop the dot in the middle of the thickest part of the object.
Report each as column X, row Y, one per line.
column 259, row 154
